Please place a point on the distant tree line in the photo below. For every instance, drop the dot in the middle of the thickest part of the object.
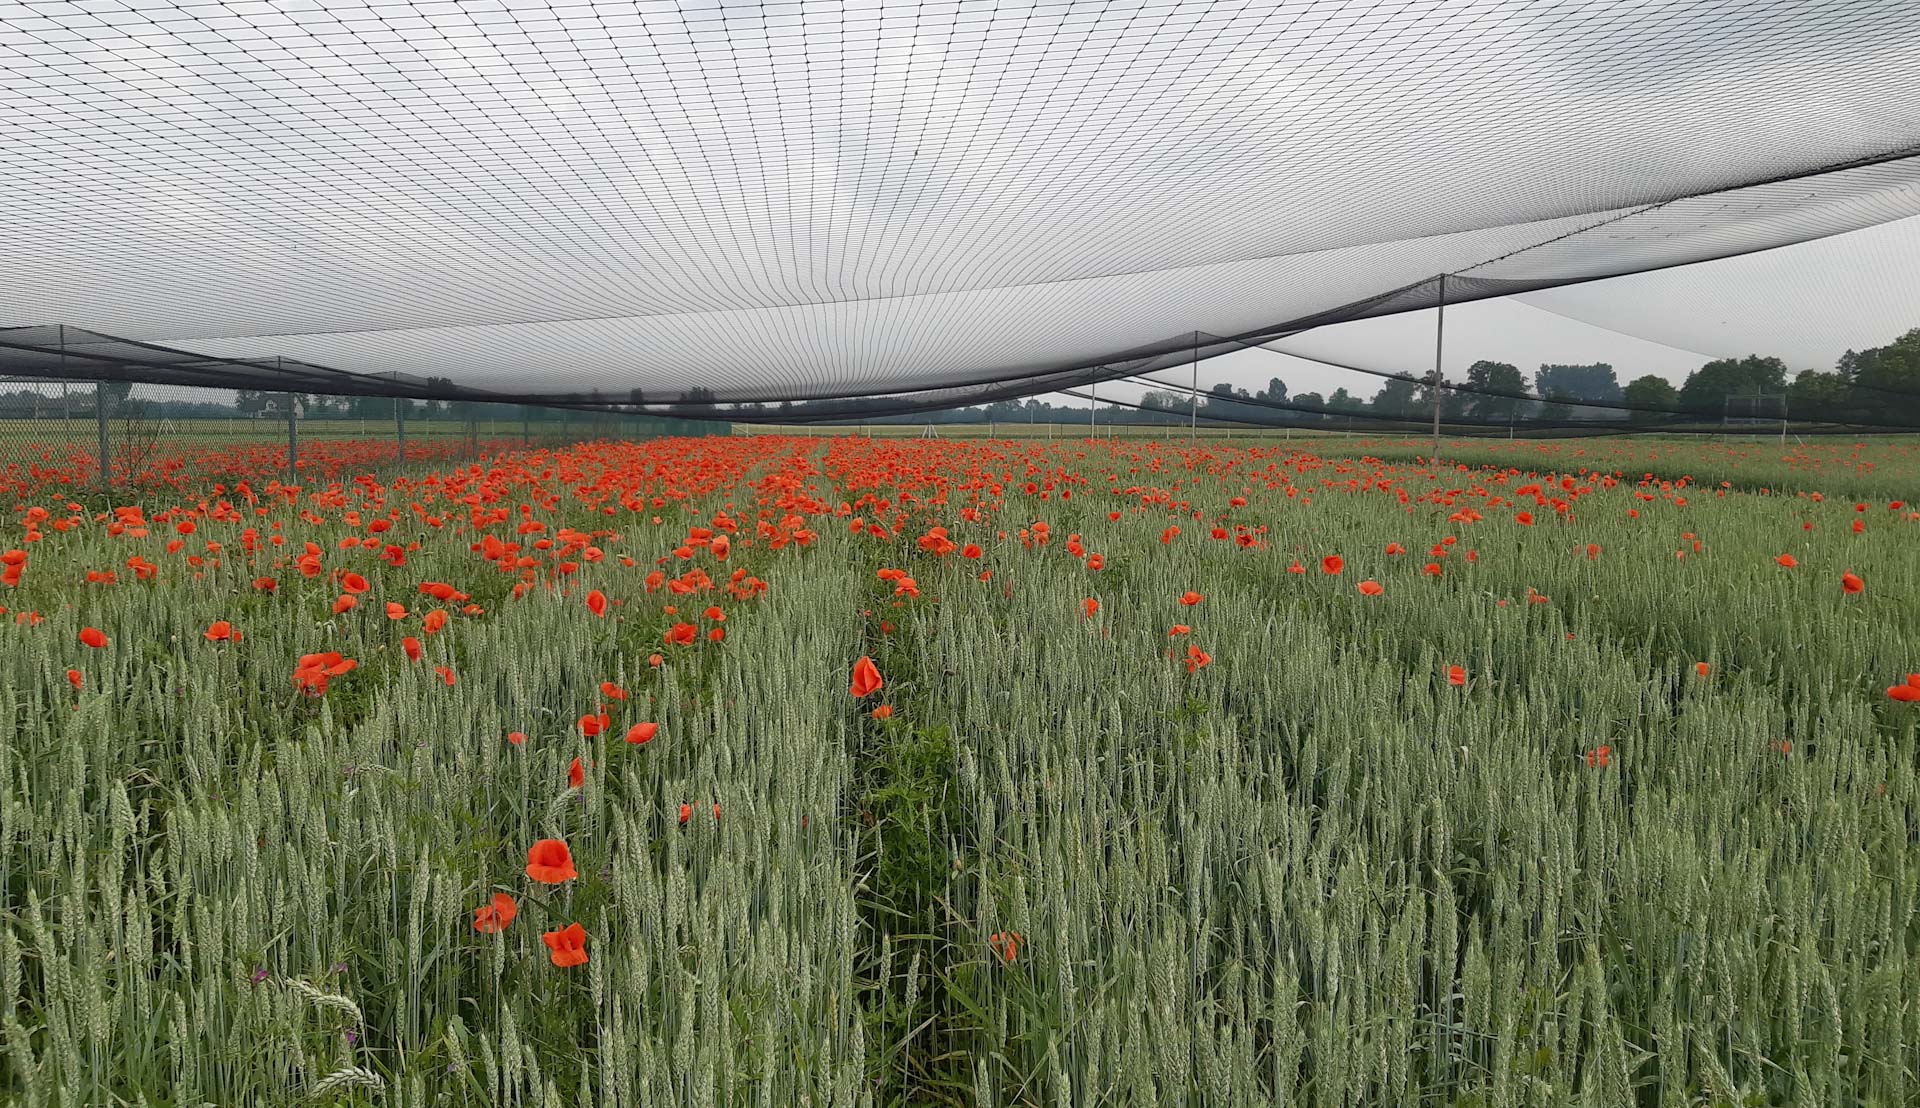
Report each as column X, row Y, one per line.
column 1880, row 384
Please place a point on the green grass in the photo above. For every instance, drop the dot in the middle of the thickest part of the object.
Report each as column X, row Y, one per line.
column 1311, row 872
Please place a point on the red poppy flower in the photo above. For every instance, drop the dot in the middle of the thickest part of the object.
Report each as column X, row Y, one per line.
column 1332, row 564
column 265, row 584
column 550, row 862
column 517, row 738
column 576, row 774
column 1851, row 584
column 93, row 636
column 1456, row 675
column 1395, row 548
column 1197, row 659
column 75, row 679
column 569, row 945
column 412, row 647
column 1787, row 560
column 866, row 677
column 1370, row 587
column 492, row 918
column 1296, row 567
column 1598, row 759
column 220, row 631
column 1701, row 669
column 1005, row 946
column 1190, row 598
column 1908, row 693
column 446, row 674
column 686, row 813
column 681, row 634
column 353, row 583
column 396, row 610
column 1088, row 607
column 1524, row 519
column 345, row 603
column 597, row 602
column 884, row 711
column 612, row 691
column 971, row 550
column 433, row 621
column 314, row 671
column 641, row 733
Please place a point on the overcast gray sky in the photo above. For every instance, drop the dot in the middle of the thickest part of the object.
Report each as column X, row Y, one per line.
column 1805, row 303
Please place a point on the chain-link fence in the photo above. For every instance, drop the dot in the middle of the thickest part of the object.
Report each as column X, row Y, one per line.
column 55, row 433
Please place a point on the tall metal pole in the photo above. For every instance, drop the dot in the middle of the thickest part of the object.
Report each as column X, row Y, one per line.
column 1439, row 342
column 293, row 443
column 400, row 424
column 100, row 425
column 1193, row 398
column 1093, row 400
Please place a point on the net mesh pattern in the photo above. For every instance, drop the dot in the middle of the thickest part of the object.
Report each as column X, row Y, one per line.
column 701, row 202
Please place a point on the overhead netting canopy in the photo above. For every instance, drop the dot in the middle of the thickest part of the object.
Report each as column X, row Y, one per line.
column 935, row 202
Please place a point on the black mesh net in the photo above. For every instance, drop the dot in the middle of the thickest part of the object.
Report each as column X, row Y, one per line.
column 886, row 208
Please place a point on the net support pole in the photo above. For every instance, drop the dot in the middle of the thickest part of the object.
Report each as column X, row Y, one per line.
column 1439, row 344
column 1193, row 397
column 400, row 425
column 293, row 442
column 1093, row 403
column 100, row 426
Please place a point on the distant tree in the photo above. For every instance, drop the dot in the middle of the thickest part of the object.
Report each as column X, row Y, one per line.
column 1556, row 408
column 1649, row 392
column 1595, row 382
column 1706, row 389
column 1399, row 396
column 1496, row 377
column 1311, row 401
column 1276, row 390
column 250, row 401
column 1220, row 403
column 699, row 399
column 1814, row 395
column 1341, row 401
column 1887, row 378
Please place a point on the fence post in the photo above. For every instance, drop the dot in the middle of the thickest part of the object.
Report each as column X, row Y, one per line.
column 293, row 444
column 400, row 425
column 100, row 425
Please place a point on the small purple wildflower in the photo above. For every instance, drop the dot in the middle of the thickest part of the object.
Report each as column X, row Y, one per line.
column 259, row 975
